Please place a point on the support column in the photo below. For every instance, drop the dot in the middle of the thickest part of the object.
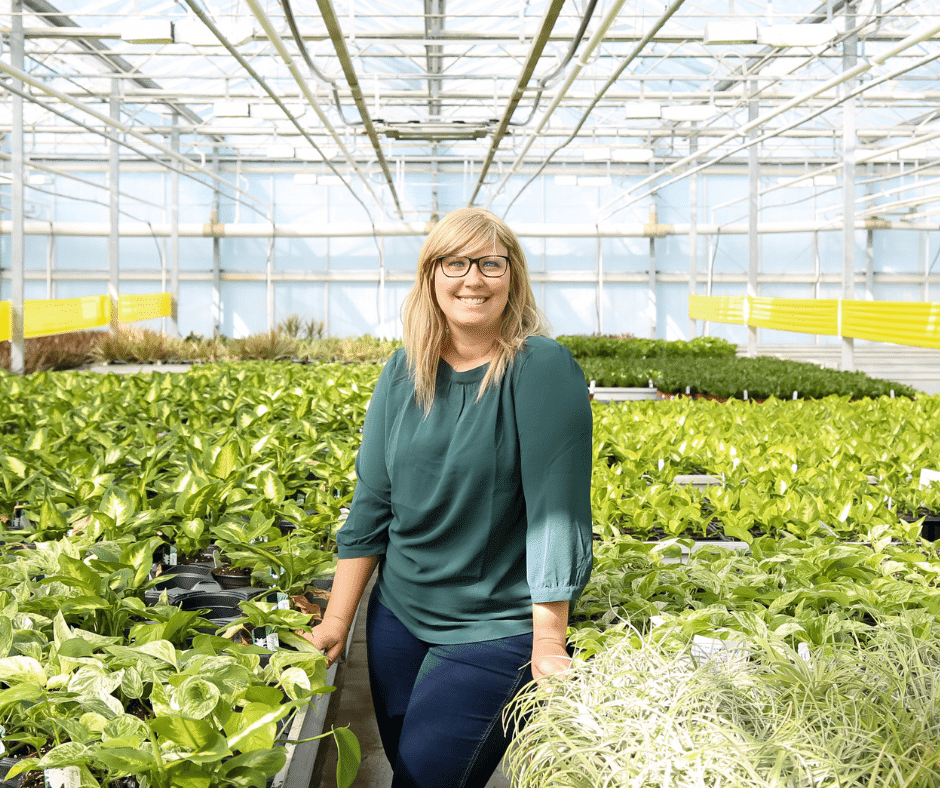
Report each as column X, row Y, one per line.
column 114, row 170
column 216, row 253
column 599, row 290
column 693, row 235
column 175, row 231
column 18, row 245
column 651, row 302
column 870, row 245
column 269, row 267
column 753, row 190
column 849, row 58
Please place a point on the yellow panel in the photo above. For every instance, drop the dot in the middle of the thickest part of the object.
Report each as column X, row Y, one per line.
column 808, row 316
column 61, row 315
column 902, row 322
column 6, row 316
column 718, row 309
column 144, row 307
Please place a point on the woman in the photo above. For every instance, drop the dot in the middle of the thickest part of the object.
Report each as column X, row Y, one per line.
column 473, row 499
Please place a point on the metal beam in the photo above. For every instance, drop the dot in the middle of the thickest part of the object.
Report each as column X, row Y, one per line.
column 18, row 246
column 849, row 59
column 342, row 52
column 114, row 208
column 50, row 14
column 528, row 68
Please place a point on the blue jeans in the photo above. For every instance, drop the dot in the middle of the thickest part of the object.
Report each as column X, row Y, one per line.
column 439, row 707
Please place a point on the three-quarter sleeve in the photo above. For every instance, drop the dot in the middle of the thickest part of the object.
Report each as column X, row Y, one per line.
column 365, row 531
column 554, row 422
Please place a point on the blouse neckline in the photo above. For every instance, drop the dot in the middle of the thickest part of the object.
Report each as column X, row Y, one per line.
column 475, row 375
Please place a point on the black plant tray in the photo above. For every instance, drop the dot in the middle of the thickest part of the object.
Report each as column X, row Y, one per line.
column 5, row 765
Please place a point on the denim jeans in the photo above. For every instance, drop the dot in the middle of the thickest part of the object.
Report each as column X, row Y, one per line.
column 439, row 707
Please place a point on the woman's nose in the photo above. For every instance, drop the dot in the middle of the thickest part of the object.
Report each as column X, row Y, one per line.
column 474, row 275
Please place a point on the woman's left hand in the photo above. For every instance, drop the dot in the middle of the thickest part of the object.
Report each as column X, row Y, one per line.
column 549, row 658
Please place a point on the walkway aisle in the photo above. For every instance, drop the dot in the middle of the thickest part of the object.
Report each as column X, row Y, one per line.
column 354, row 708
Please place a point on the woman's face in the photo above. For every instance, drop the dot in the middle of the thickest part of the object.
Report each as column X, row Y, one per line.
column 473, row 302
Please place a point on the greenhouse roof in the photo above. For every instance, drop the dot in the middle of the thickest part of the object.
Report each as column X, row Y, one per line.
column 361, row 89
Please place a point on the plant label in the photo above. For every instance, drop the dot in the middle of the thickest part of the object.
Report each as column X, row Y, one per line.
column 20, row 520
column 928, row 477
column 64, row 777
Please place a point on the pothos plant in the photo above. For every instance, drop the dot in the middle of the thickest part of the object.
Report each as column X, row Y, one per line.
column 208, row 715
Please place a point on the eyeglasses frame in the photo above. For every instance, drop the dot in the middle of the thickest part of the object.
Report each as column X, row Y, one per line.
column 474, row 261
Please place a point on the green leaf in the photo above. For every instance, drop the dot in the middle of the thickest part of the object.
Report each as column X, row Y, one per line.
column 74, row 648
column 184, row 774
column 94, row 721
column 22, row 670
column 201, row 740
column 197, row 505
column 270, row 486
column 258, row 721
column 140, row 556
column 78, row 574
column 15, row 466
column 118, row 505
column 50, row 518
column 132, row 684
column 125, row 726
column 126, row 760
column 161, row 649
column 6, row 636
column 252, row 769
column 19, row 694
column 25, row 765
column 225, row 461
column 349, row 756
column 68, row 754
column 197, row 698
column 257, row 727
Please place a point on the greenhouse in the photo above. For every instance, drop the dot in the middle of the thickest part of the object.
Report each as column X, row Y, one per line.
column 212, row 224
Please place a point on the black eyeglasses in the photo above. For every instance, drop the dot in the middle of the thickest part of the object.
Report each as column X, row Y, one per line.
column 492, row 265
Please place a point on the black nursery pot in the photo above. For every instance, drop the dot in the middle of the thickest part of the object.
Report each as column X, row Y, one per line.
column 184, row 576
column 219, row 605
column 930, row 528
column 230, row 578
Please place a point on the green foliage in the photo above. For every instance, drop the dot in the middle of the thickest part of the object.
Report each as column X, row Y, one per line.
column 633, row 348
column 727, row 377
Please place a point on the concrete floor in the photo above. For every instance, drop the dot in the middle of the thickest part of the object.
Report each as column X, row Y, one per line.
column 352, row 705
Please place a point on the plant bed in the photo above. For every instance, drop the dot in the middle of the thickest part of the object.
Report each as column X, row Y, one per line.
column 622, row 394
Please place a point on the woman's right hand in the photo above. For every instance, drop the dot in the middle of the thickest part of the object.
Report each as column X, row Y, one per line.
column 329, row 636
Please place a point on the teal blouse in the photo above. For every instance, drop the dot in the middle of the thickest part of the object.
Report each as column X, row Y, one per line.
column 483, row 507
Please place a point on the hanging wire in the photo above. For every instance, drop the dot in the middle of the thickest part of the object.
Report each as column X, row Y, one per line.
column 323, row 78
column 548, row 78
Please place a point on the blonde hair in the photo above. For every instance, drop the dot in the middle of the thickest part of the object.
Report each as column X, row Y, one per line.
column 425, row 328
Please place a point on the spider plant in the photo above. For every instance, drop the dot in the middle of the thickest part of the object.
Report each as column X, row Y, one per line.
column 646, row 711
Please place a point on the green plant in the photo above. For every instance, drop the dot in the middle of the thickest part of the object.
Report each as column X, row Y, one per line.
column 295, row 327
column 673, row 709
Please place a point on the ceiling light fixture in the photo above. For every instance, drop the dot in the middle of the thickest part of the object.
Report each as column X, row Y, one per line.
column 797, row 35
column 148, row 31
column 731, row 33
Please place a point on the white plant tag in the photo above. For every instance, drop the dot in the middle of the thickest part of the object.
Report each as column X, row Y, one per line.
column 927, row 477
column 273, row 641
column 64, row 777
